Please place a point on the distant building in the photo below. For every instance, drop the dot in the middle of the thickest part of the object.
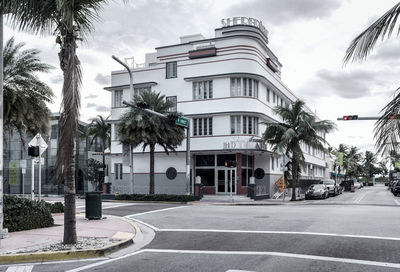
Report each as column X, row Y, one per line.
column 227, row 86
column 15, row 152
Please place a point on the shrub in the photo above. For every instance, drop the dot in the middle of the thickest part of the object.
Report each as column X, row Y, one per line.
column 25, row 214
column 161, row 197
column 56, row 207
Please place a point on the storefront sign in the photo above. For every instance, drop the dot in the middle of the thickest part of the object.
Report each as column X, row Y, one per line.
column 245, row 145
column 244, row 21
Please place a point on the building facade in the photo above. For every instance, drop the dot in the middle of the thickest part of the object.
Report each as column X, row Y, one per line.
column 227, row 86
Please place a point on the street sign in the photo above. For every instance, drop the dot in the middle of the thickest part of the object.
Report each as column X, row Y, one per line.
column 22, row 164
column 279, row 184
column 181, row 121
column 35, row 142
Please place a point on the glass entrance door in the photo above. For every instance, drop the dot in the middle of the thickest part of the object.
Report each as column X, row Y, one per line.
column 224, row 179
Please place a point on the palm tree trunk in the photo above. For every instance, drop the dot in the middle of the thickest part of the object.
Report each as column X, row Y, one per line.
column 295, row 177
column 1, row 121
column 151, row 188
column 104, row 163
column 69, row 212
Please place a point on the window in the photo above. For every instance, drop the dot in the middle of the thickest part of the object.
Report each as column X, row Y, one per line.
column 118, row 98
column 268, row 94
column 272, row 163
column 118, row 170
column 54, row 132
column 247, row 169
column 244, row 87
column 202, row 90
column 205, row 160
column 171, row 70
column 207, row 176
column 139, row 91
column 202, row 126
column 250, row 125
column 116, row 137
column 273, row 97
column 236, row 84
column 173, row 101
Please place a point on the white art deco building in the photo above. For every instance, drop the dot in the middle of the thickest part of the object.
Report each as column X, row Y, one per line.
column 227, row 86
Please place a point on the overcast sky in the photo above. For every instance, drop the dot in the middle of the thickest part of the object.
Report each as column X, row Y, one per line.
column 309, row 37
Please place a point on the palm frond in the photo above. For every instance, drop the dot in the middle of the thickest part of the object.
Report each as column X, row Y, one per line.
column 364, row 43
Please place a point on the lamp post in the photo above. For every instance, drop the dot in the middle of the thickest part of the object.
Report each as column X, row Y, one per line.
column 131, row 93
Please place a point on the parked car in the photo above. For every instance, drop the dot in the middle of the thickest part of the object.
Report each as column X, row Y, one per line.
column 396, row 188
column 358, row 185
column 346, row 184
column 317, row 191
column 332, row 186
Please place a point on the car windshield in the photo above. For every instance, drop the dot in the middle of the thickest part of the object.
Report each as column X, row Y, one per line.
column 317, row 186
column 328, row 182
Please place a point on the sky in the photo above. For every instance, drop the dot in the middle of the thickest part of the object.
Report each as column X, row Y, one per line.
column 309, row 37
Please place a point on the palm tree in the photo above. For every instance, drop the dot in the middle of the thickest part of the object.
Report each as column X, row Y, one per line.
column 137, row 127
column 70, row 21
column 369, row 168
column 297, row 127
column 100, row 129
column 386, row 130
column 25, row 96
column 353, row 159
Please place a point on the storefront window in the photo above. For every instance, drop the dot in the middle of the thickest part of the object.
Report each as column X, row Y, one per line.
column 205, row 160
column 221, row 159
column 207, row 176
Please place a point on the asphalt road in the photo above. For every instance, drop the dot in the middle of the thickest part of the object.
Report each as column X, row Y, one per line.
column 351, row 232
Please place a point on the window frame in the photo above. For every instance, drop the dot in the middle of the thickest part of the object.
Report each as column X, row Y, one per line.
column 174, row 65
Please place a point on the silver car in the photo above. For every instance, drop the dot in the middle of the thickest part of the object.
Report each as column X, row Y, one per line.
column 332, row 187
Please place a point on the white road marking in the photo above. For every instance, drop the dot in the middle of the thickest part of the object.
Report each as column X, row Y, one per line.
column 105, row 206
column 246, row 253
column 397, row 202
column 155, row 211
column 20, row 268
column 143, row 223
column 281, row 232
column 359, row 198
column 104, row 262
column 277, row 254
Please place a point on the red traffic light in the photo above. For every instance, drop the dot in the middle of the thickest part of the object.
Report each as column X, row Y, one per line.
column 350, row 117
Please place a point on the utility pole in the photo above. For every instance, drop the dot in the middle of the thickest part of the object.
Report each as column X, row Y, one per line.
column 1, row 126
column 130, row 95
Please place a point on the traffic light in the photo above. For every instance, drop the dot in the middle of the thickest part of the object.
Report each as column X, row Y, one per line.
column 33, row 151
column 395, row 116
column 350, row 117
column 230, row 164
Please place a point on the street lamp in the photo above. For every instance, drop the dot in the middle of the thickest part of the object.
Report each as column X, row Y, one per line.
column 131, row 93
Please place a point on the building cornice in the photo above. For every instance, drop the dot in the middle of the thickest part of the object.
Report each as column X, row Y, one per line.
column 126, row 86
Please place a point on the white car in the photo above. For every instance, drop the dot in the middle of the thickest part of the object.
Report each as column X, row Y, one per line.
column 358, row 185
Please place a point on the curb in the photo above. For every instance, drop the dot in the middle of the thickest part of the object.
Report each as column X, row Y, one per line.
column 69, row 254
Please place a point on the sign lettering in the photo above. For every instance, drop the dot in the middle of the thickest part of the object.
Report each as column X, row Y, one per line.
column 244, row 21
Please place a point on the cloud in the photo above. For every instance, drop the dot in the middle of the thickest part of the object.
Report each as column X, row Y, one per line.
column 57, row 79
column 103, row 109
column 387, row 52
column 91, row 105
column 91, row 96
column 273, row 12
column 346, row 84
column 103, row 79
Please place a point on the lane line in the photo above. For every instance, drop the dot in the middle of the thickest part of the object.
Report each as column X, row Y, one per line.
column 245, row 253
column 104, row 262
column 283, row 232
column 397, row 202
column 155, row 211
column 20, row 268
column 278, row 254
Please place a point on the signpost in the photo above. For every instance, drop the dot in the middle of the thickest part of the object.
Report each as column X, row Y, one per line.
column 13, row 173
column 22, row 164
column 184, row 122
column 40, row 142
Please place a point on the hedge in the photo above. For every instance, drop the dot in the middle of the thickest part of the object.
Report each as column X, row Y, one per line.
column 160, row 197
column 25, row 214
column 56, row 207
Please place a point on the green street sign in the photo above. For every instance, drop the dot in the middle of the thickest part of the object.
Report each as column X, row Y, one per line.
column 339, row 160
column 397, row 164
column 181, row 121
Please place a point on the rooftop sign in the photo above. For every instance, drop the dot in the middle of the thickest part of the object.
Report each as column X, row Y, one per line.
column 244, row 21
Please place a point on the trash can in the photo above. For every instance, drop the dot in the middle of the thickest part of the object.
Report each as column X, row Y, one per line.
column 93, row 205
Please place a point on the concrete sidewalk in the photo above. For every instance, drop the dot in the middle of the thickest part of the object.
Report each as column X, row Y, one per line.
column 120, row 230
column 242, row 200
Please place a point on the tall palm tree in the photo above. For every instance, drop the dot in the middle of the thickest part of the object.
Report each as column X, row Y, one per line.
column 137, row 127
column 386, row 130
column 70, row 21
column 297, row 127
column 369, row 168
column 25, row 95
column 100, row 129
column 353, row 159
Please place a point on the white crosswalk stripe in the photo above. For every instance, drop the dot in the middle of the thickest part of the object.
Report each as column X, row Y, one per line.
column 20, row 268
